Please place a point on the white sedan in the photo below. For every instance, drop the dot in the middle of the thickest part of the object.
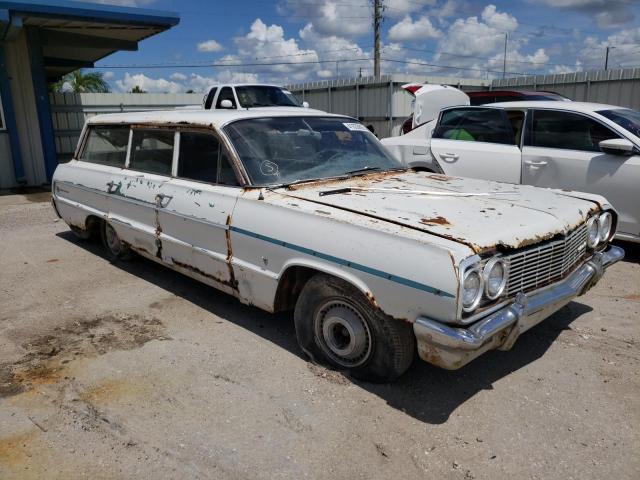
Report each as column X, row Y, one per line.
column 577, row 146
column 307, row 212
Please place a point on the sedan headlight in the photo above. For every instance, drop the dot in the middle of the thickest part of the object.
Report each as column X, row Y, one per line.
column 495, row 278
column 472, row 288
column 593, row 232
column 605, row 226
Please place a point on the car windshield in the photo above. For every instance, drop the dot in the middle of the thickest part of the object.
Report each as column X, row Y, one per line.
column 265, row 96
column 625, row 117
column 281, row 150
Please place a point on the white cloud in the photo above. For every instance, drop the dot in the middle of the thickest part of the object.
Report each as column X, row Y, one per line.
column 624, row 54
column 398, row 8
column 178, row 77
column 210, row 46
column 267, row 44
column 408, row 30
column 498, row 20
column 148, row 84
column 108, row 75
column 607, row 13
column 333, row 17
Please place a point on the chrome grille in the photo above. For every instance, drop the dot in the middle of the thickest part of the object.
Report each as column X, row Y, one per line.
column 546, row 263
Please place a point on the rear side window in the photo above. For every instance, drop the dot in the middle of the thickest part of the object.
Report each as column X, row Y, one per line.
column 567, row 131
column 210, row 96
column 226, row 94
column 107, row 145
column 476, row 125
column 202, row 158
column 152, row 151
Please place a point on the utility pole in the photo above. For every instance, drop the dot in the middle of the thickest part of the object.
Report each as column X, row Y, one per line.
column 360, row 72
column 377, row 20
column 504, row 60
column 606, row 57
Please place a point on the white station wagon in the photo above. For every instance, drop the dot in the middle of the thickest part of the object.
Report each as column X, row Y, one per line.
column 307, row 212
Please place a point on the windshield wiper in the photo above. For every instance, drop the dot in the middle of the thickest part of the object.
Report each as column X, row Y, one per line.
column 305, row 180
column 363, row 169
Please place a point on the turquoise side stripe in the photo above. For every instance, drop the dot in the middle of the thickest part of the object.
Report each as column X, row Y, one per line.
column 346, row 263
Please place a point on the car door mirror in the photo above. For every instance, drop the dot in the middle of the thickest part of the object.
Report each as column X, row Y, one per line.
column 305, row 104
column 226, row 104
column 617, row 146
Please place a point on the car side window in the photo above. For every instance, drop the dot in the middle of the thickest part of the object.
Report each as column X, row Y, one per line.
column 210, row 96
column 226, row 94
column 152, row 151
column 488, row 125
column 202, row 158
column 107, row 145
column 567, row 131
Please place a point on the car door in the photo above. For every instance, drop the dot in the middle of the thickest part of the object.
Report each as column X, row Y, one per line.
column 561, row 151
column 100, row 159
column 194, row 217
column 477, row 142
column 135, row 191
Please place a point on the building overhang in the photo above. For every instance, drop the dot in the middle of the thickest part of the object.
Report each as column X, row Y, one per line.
column 77, row 34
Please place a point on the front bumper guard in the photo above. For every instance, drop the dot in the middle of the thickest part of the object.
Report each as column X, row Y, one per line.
column 453, row 347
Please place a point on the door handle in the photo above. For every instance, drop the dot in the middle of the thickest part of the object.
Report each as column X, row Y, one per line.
column 452, row 156
column 534, row 163
column 160, row 200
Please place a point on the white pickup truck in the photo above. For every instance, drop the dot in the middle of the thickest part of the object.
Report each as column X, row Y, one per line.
column 247, row 95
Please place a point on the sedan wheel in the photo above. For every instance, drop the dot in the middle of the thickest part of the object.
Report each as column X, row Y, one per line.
column 336, row 324
column 343, row 333
column 113, row 244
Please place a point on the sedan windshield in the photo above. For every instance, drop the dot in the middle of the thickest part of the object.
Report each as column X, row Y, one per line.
column 625, row 117
column 283, row 150
column 265, row 96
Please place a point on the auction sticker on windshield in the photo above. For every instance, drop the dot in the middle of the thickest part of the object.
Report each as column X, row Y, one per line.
column 356, row 127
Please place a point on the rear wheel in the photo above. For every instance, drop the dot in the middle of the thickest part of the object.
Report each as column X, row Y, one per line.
column 338, row 326
column 115, row 247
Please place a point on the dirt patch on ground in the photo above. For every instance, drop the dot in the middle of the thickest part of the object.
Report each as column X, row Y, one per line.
column 47, row 355
column 330, row 375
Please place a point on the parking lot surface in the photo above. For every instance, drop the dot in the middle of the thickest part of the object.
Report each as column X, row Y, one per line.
column 130, row 370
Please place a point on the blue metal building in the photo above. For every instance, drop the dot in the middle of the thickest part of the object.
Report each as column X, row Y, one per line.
column 40, row 41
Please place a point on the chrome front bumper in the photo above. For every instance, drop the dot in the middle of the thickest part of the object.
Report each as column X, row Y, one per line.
column 452, row 347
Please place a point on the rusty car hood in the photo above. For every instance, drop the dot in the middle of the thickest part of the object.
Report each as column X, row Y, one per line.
column 482, row 214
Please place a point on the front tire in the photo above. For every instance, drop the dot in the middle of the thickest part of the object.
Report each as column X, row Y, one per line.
column 338, row 326
column 116, row 248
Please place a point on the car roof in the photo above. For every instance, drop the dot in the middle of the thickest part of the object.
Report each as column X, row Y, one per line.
column 206, row 118
column 488, row 93
column 218, row 85
column 569, row 106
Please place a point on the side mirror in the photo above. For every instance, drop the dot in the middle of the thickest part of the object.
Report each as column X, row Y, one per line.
column 305, row 104
column 617, row 146
column 226, row 104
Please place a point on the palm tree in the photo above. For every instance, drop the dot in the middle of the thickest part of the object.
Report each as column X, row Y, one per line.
column 79, row 82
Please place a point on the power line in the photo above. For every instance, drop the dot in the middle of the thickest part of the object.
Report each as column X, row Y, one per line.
column 409, row 62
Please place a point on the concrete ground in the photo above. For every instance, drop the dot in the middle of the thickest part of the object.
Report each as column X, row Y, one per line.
column 130, row 370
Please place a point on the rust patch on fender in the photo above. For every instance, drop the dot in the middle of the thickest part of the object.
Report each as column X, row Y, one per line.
column 233, row 283
column 372, row 299
column 439, row 220
column 439, row 177
column 229, row 283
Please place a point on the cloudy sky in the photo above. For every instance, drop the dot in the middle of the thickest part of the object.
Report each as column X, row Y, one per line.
column 304, row 40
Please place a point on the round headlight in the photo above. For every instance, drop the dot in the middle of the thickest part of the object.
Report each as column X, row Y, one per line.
column 472, row 287
column 593, row 231
column 495, row 278
column 605, row 227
